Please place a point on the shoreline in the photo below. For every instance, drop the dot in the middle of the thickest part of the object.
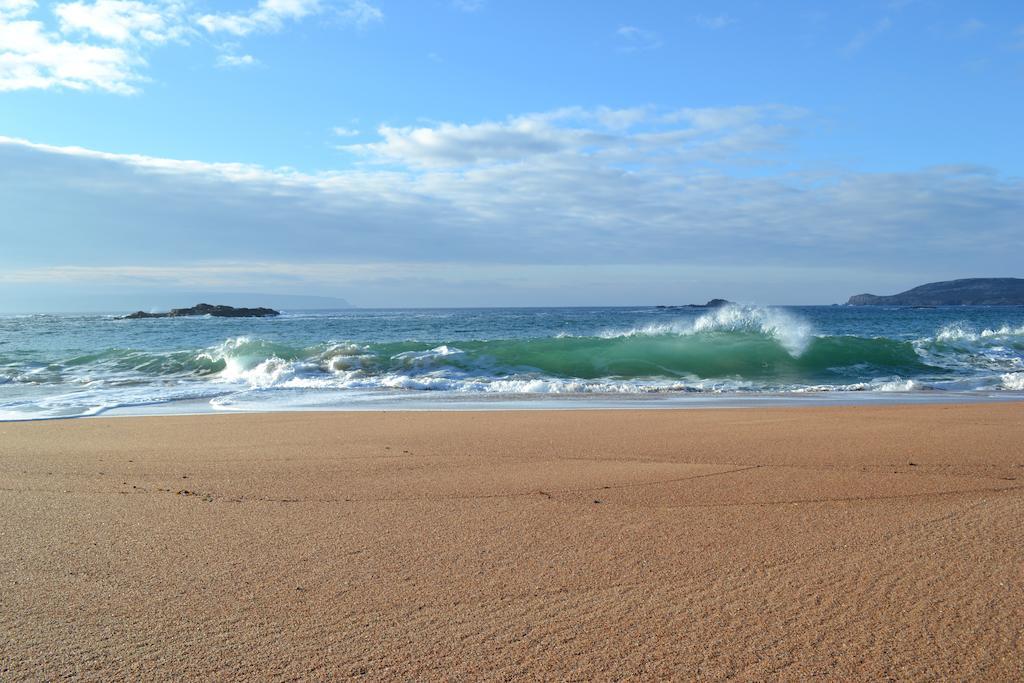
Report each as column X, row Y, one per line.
column 555, row 402
column 849, row 542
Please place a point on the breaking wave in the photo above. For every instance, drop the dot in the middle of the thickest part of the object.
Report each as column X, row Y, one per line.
column 732, row 349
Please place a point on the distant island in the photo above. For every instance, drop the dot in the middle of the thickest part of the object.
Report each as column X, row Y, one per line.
column 979, row 291
column 714, row 303
column 206, row 309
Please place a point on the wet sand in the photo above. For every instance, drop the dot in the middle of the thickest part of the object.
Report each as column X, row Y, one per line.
column 771, row 543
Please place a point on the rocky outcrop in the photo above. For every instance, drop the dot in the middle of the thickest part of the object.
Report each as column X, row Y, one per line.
column 714, row 303
column 981, row 291
column 206, row 309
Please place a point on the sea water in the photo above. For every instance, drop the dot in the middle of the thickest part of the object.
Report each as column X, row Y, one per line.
column 86, row 364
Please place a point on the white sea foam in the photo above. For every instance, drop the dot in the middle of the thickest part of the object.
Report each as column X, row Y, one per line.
column 965, row 332
column 885, row 385
column 462, row 383
column 420, row 359
column 1014, row 381
column 264, row 374
column 963, row 347
column 103, row 397
column 348, row 358
column 227, row 349
column 897, row 385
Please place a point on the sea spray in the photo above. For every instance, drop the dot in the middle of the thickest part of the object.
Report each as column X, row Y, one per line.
column 794, row 334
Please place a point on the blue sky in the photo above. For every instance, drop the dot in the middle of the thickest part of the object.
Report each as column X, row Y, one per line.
column 446, row 152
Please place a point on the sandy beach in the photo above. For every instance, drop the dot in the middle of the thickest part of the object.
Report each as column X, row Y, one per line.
column 771, row 543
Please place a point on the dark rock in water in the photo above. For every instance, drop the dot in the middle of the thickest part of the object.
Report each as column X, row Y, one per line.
column 981, row 291
column 714, row 303
column 206, row 309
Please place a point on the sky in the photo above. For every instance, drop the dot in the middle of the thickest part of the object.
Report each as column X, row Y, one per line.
column 506, row 153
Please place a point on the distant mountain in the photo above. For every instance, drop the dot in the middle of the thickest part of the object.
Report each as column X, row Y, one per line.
column 978, row 291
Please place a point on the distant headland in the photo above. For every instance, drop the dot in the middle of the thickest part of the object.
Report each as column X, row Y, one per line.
column 979, row 291
column 206, row 309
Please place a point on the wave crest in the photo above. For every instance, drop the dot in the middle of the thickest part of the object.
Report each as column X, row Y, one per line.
column 965, row 332
column 793, row 333
column 754, row 346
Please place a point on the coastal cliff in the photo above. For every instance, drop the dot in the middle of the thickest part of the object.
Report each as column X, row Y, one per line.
column 982, row 291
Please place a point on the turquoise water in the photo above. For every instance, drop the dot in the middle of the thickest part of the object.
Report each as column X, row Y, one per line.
column 74, row 365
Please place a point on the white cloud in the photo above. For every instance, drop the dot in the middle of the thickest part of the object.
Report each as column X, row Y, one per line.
column 268, row 16
column 271, row 15
column 229, row 61
column 95, row 46
column 343, row 132
column 124, row 21
column 360, row 13
column 103, row 44
column 33, row 58
column 971, row 26
column 16, row 8
column 468, row 5
column 862, row 38
column 552, row 190
column 634, row 39
column 636, row 135
column 454, row 144
column 715, row 22
column 621, row 119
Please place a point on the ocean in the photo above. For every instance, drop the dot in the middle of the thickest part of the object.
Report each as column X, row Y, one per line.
column 75, row 365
